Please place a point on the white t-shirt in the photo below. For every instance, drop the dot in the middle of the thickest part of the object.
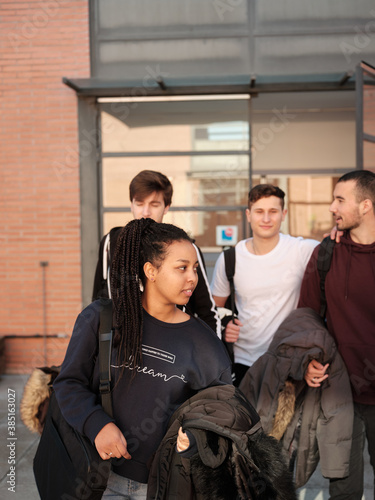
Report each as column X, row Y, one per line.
column 267, row 289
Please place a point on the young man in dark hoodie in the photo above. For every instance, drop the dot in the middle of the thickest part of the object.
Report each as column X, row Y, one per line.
column 150, row 196
column 350, row 294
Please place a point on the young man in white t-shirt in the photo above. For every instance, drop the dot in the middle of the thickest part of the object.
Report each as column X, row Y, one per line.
column 267, row 280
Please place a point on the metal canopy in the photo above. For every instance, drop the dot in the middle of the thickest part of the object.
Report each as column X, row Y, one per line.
column 247, row 84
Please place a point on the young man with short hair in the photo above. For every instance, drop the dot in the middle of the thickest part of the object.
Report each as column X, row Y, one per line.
column 150, row 195
column 268, row 275
column 350, row 295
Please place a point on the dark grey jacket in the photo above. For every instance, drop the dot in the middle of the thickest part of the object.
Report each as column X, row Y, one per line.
column 325, row 414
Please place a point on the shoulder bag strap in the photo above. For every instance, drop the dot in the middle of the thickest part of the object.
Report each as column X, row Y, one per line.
column 105, row 349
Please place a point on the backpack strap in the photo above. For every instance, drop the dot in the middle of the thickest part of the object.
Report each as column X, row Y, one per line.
column 230, row 267
column 105, row 349
column 323, row 264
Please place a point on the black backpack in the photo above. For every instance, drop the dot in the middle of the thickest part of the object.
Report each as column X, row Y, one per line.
column 67, row 464
column 230, row 266
column 323, row 264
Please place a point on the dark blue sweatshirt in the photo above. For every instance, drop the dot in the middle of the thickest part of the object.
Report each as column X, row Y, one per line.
column 178, row 361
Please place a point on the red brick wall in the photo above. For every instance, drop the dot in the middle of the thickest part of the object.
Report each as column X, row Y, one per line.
column 41, row 41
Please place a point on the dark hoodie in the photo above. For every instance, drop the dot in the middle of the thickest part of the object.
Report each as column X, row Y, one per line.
column 350, row 293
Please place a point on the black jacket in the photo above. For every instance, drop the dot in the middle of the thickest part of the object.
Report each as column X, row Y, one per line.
column 234, row 458
column 201, row 303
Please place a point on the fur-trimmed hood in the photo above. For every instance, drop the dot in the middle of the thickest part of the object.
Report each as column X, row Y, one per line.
column 35, row 398
column 234, row 458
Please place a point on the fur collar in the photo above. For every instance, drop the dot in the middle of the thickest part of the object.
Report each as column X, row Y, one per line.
column 34, row 402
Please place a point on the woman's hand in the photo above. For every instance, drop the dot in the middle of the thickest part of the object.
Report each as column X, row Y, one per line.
column 183, row 442
column 110, row 442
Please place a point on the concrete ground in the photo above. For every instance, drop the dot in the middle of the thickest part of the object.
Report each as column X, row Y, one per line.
column 26, row 444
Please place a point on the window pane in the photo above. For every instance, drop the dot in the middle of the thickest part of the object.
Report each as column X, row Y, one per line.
column 369, row 155
column 309, row 199
column 315, row 55
column 308, row 133
column 369, row 109
column 175, row 126
column 222, row 191
column 288, row 14
column 197, row 181
column 176, row 58
column 143, row 16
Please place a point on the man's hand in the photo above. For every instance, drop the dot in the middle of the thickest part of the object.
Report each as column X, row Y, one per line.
column 110, row 442
column 315, row 373
column 334, row 234
column 232, row 331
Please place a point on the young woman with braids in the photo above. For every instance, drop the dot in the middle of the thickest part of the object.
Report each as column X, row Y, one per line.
column 161, row 355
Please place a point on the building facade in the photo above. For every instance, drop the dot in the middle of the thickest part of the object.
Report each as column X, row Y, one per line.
column 217, row 94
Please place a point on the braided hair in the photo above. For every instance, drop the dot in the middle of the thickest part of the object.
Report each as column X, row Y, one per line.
column 140, row 241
